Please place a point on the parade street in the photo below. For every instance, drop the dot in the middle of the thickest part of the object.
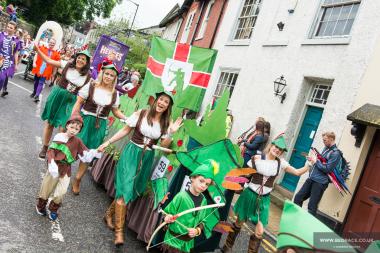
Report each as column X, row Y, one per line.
column 80, row 227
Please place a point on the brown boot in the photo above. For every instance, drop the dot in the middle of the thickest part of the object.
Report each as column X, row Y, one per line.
column 53, row 210
column 76, row 186
column 120, row 211
column 41, row 206
column 227, row 247
column 81, row 171
column 43, row 151
column 109, row 215
column 254, row 244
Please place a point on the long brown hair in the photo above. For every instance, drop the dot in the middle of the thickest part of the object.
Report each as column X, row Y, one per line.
column 165, row 117
column 85, row 69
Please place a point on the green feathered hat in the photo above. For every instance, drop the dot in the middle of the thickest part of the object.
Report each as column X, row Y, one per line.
column 300, row 229
column 208, row 169
column 280, row 143
column 86, row 53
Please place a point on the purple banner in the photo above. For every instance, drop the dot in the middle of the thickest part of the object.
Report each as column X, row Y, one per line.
column 110, row 48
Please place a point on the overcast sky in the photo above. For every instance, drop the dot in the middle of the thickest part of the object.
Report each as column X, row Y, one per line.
column 150, row 12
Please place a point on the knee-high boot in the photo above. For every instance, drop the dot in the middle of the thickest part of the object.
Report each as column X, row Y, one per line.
column 231, row 238
column 120, row 211
column 76, row 183
column 254, row 244
column 108, row 216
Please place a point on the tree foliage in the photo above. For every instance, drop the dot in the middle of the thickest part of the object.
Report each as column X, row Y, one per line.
column 64, row 12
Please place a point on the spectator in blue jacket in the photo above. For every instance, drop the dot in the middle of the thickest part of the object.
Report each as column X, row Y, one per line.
column 318, row 180
column 253, row 143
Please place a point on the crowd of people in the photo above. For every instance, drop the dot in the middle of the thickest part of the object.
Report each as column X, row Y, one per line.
column 79, row 107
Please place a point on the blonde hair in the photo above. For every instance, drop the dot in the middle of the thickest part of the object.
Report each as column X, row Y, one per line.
column 99, row 82
column 330, row 135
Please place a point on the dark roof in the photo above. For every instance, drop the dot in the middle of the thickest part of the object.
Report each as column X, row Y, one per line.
column 175, row 12
column 368, row 114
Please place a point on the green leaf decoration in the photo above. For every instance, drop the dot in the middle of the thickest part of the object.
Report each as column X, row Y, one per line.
column 213, row 127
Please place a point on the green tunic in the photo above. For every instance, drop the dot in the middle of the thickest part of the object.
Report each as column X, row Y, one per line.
column 248, row 206
column 129, row 182
column 58, row 106
column 182, row 202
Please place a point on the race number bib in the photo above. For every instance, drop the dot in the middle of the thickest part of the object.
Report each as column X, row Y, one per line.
column 186, row 184
column 159, row 170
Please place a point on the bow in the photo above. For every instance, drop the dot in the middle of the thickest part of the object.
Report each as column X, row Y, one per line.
column 179, row 215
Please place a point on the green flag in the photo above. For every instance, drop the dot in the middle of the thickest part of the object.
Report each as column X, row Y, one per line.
column 183, row 69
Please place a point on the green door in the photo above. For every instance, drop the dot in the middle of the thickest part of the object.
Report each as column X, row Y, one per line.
column 304, row 140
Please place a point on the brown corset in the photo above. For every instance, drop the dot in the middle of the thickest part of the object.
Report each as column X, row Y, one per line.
column 258, row 178
column 100, row 111
column 138, row 137
column 69, row 86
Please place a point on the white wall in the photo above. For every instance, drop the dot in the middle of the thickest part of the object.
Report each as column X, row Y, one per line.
column 272, row 53
column 171, row 30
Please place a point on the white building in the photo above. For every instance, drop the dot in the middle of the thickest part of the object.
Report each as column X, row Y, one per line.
column 172, row 23
column 323, row 51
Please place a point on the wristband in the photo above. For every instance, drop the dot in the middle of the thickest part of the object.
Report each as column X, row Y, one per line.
column 199, row 231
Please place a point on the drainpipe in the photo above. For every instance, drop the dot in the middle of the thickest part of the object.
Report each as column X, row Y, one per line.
column 218, row 23
column 196, row 25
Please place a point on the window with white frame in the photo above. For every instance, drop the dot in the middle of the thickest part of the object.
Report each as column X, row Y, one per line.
column 335, row 18
column 227, row 81
column 320, row 94
column 247, row 19
column 206, row 17
column 186, row 30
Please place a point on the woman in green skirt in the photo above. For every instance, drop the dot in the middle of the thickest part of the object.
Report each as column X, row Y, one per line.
column 62, row 98
column 135, row 164
column 254, row 202
column 97, row 99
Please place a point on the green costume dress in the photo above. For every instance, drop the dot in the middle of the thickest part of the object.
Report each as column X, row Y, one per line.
column 95, row 111
column 62, row 98
column 254, row 202
column 181, row 202
column 135, row 164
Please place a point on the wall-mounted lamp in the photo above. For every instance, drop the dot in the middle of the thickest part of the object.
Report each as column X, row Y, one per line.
column 358, row 131
column 279, row 86
column 280, row 26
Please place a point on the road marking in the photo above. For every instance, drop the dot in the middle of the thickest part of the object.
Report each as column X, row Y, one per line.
column 20, row 87
column 18, row 73
column 56, row 233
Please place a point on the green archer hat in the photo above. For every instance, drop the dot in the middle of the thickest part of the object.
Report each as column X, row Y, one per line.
column 166, row 92
column 208, row 169
column 86, row 53
column 111, row 66
column 298, row 228
column 280, row 142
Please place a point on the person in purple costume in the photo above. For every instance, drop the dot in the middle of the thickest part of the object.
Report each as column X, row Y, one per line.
column 10, row 47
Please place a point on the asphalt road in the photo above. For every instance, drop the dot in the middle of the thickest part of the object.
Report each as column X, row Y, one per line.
column 79, row 227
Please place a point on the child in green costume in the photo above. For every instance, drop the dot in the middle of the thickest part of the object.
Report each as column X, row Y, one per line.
column 182, row 230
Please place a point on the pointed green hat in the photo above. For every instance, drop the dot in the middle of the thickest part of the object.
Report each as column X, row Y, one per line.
column 86, row 53
column 374, row 247
column 280, row 142
column 208, row 169
column 300, row 229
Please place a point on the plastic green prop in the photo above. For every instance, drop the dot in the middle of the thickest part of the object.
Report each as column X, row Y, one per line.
column 303, row 230
column 213, row 127
column 222, row 152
